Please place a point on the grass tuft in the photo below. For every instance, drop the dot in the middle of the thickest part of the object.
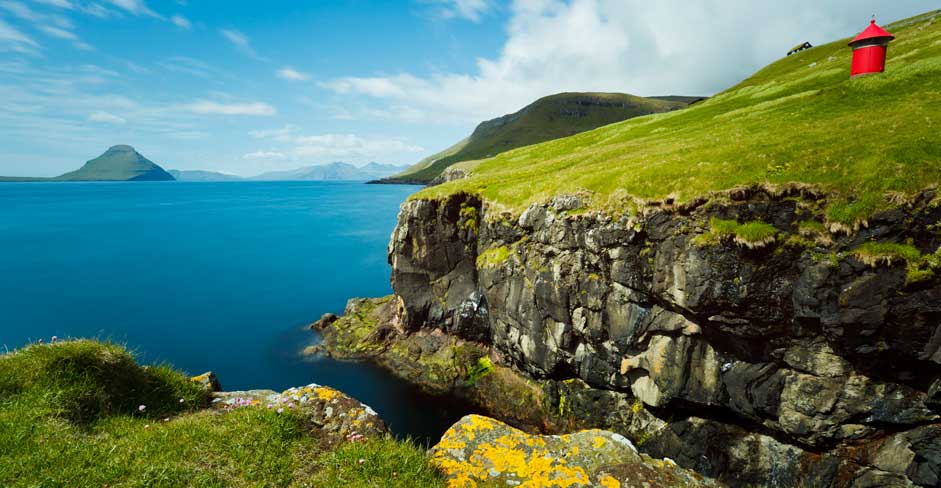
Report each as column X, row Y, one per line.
column 753, row 235
column 493, row 257
column 918, row 267
column 69, row 416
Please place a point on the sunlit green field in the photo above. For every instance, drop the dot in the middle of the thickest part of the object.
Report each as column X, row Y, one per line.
column 870, row 140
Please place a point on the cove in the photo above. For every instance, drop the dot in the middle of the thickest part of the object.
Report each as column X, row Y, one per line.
column 208, row 276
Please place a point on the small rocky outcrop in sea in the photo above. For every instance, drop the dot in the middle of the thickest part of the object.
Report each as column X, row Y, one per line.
column 482, row 450
column 338, row 416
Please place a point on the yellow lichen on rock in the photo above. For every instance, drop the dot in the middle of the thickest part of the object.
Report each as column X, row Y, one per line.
column 326, row 393
column 479, row 450
column 609, row 482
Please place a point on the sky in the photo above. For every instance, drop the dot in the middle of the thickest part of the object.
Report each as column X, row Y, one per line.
column 244, row 87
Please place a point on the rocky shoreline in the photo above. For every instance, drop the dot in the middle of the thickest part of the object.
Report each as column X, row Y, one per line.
column 744, row 335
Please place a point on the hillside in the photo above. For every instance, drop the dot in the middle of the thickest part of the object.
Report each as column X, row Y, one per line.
column 868, row 141
column 118, row 163
column 548, row 118
column 331, row 172
column 200, row 175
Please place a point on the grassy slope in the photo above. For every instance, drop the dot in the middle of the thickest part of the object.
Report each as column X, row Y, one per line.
column 548, row 118
column 69, row 417
column 800, row 119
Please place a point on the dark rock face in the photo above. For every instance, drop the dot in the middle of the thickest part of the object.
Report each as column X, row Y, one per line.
column 777, row 364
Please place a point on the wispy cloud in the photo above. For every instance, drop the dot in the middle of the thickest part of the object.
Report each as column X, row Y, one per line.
column 265, row 156
column 284, row 134
column 52, row 25
column 136, row 7
column 351, row 148
column 472, row 10
column 240, row 41
column 66, row 4
column 13, row 40
column 252, row 109
column 181, row 22
column 107, row 118
column 289, row 73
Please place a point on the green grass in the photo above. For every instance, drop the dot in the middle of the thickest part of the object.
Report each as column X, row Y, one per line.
column 750, row 234
column 919, row 267
column 493, row 257
column 482, row 367
column 548, row 118
column 69, row 417
column 801, row 119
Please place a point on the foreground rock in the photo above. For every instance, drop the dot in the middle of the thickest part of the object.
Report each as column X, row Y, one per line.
column 337, row 416
column 482, row 450
column 806, row 353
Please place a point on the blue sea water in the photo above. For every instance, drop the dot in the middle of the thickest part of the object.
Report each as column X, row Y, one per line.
column 207, row 276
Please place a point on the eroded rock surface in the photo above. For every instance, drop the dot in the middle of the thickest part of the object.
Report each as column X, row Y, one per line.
column 482, row 450
column 792, row 359
column 337, row 416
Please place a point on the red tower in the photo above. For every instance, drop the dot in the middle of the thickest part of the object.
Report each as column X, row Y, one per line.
column 869, row 49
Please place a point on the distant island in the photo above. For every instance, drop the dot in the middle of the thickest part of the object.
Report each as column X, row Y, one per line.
column 124, row 163
column 118, row 163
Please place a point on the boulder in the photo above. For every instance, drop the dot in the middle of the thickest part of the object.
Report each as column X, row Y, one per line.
column 479, row 449
column 338, row 416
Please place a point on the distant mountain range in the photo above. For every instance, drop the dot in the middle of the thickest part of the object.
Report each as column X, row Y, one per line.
column 333, row 171
column 325, row 172
column 552, row 117
column 200, row 175
column 124, row 163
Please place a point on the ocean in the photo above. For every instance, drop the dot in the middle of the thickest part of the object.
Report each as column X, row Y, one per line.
column 208, row 276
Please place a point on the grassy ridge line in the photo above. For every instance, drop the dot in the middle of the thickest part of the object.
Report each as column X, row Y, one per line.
column 801, row 119
column 548, row 118
column 70, row 416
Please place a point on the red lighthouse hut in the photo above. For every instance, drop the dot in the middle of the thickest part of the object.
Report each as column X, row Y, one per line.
column 869, row 49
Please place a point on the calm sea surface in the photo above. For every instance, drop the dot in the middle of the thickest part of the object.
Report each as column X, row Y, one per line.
column 207, row 276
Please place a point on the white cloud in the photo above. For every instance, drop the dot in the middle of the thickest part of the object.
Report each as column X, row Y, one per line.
column 466, row 9
column 265, row 156
column 13, row 40
column 49, row 24
column 632, row 46
column 289, row 73
column 136, row 7
column 66, row 4
column 240, row 41
column 181, row 22
column 107, row 118
column 236, row 37
column 351, row 147
column 58, row 32
column 284, row 134
column 208, row 107
column 330, row 147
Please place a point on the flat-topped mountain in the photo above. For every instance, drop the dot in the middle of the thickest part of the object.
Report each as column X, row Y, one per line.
column 118, row 163
column 548, row 118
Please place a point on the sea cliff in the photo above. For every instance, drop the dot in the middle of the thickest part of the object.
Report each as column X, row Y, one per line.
column 740, row 334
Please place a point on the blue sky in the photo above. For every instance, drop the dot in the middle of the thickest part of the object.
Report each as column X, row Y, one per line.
column 245, row 87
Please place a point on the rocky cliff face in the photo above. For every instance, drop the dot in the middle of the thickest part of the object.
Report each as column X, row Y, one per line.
column 738, row 336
